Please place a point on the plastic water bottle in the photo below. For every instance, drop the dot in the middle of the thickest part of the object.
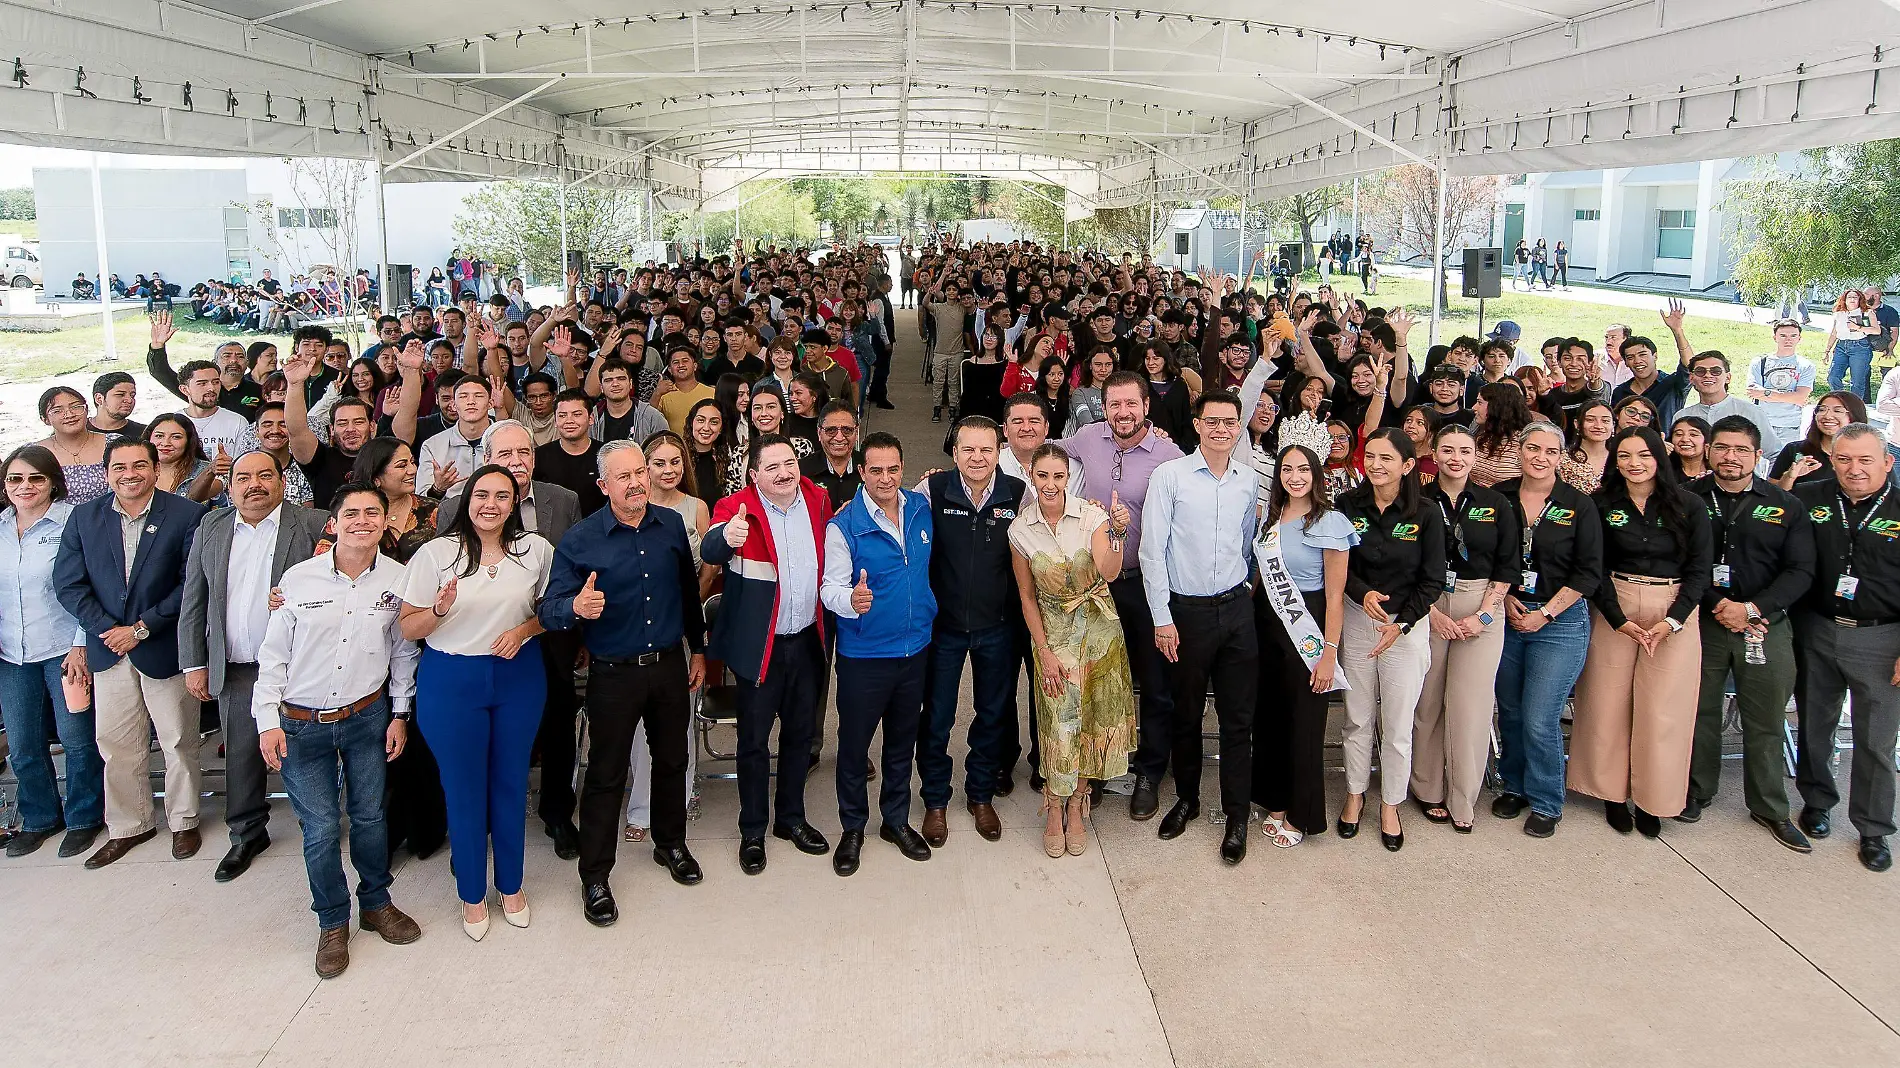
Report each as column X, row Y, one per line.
column 1755, row 651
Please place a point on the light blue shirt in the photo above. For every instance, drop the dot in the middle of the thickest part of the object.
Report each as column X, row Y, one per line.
column 1199, row 531
column 797, row 564
column 33, row 626
column 1305, row 550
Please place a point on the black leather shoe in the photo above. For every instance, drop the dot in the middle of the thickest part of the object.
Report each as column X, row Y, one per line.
column 1145, row 800
column 1785, row 832
column 1392, row 842
column 850, row 846
column 78, row 841
column 907, row 841
column 1539, row 826
column 679, row 863
column 1096, row 789
column 805, row 837
column 24, row 843
column 1005, row 785
column 1874, row 854
column 1037, row 782
column 1176, row 821
column 1692, row 810
column 1619, row 817
column 238, row 860
column 598, row 903
column 1346, row 830
column 1647, row 825
column 1509, row 806
column 752, row 856
column 1816, row 822
column 1233, row 844
column 567, row 840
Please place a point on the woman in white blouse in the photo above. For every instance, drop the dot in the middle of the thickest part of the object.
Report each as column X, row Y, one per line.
column 470, row 596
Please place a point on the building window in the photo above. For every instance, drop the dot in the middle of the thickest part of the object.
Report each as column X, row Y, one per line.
column 1589, row 214
column 301, row 218
column 1675, row 235
column 287, row 218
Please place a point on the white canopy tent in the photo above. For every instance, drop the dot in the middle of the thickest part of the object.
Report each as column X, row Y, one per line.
column 1117, row 103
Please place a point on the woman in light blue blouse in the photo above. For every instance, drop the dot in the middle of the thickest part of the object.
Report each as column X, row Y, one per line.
column 1303, row 543
column 41, row 647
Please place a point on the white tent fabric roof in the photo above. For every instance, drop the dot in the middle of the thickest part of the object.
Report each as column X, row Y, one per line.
column 1117, row 102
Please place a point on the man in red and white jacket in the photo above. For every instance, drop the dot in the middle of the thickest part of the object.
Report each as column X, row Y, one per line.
column 770, row 538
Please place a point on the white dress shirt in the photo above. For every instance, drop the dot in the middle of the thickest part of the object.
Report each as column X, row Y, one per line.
column 841, row 575
column 485, row 605
column 335, row 641
column 247, row 586
column 797, row 564
column 1200, row 530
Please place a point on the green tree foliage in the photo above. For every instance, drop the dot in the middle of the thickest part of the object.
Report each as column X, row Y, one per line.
column 16, row 203
column 773, row 214
column 519, row 222
column 1835, row 221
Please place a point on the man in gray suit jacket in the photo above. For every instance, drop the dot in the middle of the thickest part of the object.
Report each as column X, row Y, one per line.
column 548, row 510
column 237, row 557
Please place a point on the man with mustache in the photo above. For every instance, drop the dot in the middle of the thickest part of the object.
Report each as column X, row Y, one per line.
column 237, row 558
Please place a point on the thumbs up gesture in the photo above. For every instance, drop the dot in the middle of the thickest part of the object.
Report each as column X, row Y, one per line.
column 861, row 593
column 589, row 603
column 221, row 463
column 738, row 528
column 1118, row 517
column 445, row 597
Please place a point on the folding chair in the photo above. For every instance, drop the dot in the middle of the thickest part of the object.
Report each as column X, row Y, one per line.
column 715, row 705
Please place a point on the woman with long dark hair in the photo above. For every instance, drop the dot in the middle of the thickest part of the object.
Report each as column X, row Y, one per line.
column 1633, row 730
column 734, row 395
column 1395, row 572
column 80, row 449
column 1052, row 389
column 1168, row 400
column 471, row 596
column 1634, row 411
column 183, row 467
column 1589, row 454
column 1689, row 448
column 1497, row 418
column 984, row 375
column 1302, row 550
column 1805, row 462
column 718, row 462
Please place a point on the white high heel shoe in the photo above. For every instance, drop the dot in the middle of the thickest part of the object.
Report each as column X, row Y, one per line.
column 476, row 930
column 517, row 919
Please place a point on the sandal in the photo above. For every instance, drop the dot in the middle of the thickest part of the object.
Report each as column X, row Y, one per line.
column 1052, row 841
column 1075, row 823
column 1434, row 811
column 1461, row 828
column 635, row 834
column 1281, row 833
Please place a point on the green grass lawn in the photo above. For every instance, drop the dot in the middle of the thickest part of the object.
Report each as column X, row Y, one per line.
column 28, row 229
column 28, row 357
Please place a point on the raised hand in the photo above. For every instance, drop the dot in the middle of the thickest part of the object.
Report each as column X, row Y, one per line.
column 445, row 597
column 221, row 464
column 561, row 341
column 738, row 528
column 1118, row 516
column 162, row 329
column 861, row 593
column 297, row 368
column 1674, row 314
column 1402, row 322
column 443, row 476
column 590, row 602
column 412, row 357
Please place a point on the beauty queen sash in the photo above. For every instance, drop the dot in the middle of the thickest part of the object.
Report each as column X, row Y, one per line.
column 1287, row 603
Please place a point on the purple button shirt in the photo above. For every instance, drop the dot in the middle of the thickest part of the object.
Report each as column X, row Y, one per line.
column 1094, row 446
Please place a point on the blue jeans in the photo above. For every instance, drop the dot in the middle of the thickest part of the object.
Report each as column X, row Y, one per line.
column 992, row 652
column 28, row 693
column 481, row 714
column 1854, row 362
column 313, row 753
column 1536, row 675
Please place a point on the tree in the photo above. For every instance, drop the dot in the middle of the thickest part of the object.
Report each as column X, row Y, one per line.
column 775, row 215
column 1835, row 221
column 1304, row 210
column 519, row 223
column 1403, row 203
column 17, row 203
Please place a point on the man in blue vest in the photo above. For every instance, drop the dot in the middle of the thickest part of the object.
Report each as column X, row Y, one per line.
column 979, row 610
column 877, row 582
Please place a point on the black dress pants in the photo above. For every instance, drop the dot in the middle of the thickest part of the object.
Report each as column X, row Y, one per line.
column 1152, row 673
column 1218, row 645
column 1289, row 765
column 555, row 739
column 620, row 695
column 788, row 693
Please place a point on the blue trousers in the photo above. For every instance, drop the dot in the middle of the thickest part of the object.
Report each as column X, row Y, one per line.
column 30, row 694
column 874, row 691
column 1535, row 677
column 312, row 754
column 1853, row 363
column 481, row 714
column 992, row 654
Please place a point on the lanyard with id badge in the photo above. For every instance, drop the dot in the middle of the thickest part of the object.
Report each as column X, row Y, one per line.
column 1457, row 534
column 1847, row 585
column 1722, row 575
column 1527, row 580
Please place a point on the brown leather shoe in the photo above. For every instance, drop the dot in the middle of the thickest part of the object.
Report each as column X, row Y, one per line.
column 118, row 847
column 333, row 951
column 185, row 844
column 935, row 828
column 389, row 921
column 987, row 824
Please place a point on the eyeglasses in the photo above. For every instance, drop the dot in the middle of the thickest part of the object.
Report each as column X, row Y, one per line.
column 34, row 479
column 1707, row 372
column 845, row 431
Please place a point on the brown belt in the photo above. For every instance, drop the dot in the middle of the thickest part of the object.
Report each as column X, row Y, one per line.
column 330, row 715
column 1643, row 580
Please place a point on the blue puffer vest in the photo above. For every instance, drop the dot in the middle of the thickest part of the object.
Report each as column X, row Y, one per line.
column 902, row 606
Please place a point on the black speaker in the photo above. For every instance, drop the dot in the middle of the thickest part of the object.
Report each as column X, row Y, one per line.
column 400, row 285
column 1484, row 272
column 577, row 262
column 1294, row 253
column 1180, row 244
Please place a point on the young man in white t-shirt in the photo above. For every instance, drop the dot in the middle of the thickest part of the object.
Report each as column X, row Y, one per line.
column 1782, row 382
column 200, row 383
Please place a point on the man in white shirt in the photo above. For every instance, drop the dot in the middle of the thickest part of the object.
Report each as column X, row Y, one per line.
column 1708, row 377
column 450, row 457
column 218, row 427
column 336, row 684
column 238, row 555
column 1782, row 382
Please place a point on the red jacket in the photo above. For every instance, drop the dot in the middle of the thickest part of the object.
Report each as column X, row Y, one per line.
column 743, row 632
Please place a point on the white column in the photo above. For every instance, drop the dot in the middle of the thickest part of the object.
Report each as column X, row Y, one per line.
column 1355, row 210
column 1705, row 264
column 1438, row 252
column 105, row 269
column 561, row 186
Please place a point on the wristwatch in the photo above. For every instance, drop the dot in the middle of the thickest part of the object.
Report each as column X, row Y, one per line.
column 139, row 631
column 1675, row 625
column 1544, row 610
column 1486, row 618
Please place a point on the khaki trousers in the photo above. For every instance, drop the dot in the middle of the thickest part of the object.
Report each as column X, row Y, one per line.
column 128, row 705
column 1451, row 737
column 1383, row 690
column 1634, row 728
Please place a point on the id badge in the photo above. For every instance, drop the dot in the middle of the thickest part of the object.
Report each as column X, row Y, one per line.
column 1451, row 580
column 1845, row 586
column 1721, row 575
column 1528, row 582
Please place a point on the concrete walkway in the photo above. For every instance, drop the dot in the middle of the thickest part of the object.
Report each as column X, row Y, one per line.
column 1712, row 947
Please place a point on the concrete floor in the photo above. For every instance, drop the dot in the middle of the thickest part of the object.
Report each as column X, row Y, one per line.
column 1710, row 947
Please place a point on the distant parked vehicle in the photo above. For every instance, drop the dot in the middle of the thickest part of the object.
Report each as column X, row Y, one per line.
column 21, row 267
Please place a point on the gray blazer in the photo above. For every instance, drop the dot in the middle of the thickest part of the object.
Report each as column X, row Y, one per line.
column 207, row 570
column 556, row 508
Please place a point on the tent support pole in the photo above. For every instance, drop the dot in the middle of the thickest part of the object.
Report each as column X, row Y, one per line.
column 1438, row 254
column 1355, row 211
column 382, row 238
column 105, row 269
column 563, row 201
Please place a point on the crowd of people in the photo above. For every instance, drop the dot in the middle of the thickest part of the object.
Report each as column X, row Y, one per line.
column 390, row 570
